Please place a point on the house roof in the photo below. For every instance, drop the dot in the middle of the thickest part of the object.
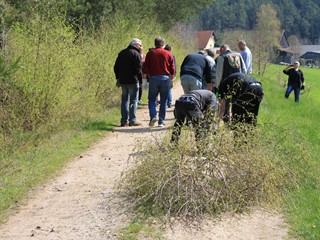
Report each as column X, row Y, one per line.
column 309, row 48
column 310, row 54
column 284, row 43
column 202, row 38
column 288, row 50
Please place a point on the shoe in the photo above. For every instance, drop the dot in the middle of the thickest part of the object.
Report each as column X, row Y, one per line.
column 124, row 124
column 140, row 102
column 161, row 125
column 134, row 124
column 152, row 122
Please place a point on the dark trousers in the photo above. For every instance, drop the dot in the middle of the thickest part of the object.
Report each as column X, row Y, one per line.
column 187, row 111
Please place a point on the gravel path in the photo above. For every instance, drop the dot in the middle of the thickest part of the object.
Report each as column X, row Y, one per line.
column 75, row 205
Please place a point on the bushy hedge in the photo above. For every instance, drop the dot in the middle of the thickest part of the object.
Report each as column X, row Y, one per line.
column 223, row 173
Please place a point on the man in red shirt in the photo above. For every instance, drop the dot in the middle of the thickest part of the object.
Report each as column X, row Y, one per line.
column 159, row 67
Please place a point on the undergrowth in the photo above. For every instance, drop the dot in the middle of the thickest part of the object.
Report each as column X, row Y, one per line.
column 226, row 172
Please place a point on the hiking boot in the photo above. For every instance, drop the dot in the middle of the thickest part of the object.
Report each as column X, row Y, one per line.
column 152, row 122
column 134, row 124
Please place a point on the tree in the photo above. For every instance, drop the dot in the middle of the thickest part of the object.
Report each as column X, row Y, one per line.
column 267, row 33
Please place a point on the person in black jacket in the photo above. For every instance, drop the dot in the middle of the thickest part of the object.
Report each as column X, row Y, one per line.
column 295, row 80
column 128, row 71
column 196, row 107
column 194, row 68
column 245, row 93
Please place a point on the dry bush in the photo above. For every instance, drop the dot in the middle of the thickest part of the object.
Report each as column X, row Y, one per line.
column 223, row 173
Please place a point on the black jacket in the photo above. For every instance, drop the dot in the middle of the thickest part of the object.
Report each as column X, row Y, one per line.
column 296, row 78
column 128, row 66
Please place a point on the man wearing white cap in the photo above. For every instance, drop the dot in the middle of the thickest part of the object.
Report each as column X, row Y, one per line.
column 128, row 71
column 295, row 80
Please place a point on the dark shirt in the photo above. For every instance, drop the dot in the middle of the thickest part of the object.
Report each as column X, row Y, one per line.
column 236, row 85
column 198, row 66
column 295, row 78
column 128, row 67
column 203, row 98
column 159, row 62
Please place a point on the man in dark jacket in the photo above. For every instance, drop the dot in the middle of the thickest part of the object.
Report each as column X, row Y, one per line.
column 246, row 94
column 128, row 71
column 295, row 80
column 194, row 68
column 196, row 107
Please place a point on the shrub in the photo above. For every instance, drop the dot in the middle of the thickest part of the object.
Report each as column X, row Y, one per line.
column 224, row 173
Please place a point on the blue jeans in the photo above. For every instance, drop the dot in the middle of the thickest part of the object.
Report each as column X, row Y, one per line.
column 296, row 90
column 169, row 103
column 190, row 83
column 129, row 94
column 158, row 84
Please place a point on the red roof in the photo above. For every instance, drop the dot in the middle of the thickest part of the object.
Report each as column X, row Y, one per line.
column 202, row 38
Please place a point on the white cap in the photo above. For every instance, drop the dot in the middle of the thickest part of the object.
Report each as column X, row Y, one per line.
column 136, row 41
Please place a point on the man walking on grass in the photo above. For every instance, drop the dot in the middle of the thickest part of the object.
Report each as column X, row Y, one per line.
column 295, row 80
column 128, row 71
column 159, row 67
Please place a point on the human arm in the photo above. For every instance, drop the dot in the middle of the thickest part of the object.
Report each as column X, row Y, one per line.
column 286, row 70
column 302, row 81
column 243, row 65
column 221, row 108
column 219, row 70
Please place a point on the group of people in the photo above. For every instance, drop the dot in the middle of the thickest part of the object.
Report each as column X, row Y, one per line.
column 132, row 69
column 207, row 83
column 226, row 79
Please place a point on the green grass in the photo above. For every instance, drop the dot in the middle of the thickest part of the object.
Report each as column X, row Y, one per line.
column 23, row 169
column 300, row 126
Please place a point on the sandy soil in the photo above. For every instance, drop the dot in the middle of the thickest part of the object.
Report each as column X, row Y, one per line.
column 76, row 203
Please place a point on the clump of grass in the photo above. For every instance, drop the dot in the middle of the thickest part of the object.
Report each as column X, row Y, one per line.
column 226, row 172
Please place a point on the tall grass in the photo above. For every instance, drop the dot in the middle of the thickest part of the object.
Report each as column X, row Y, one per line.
column 300, row 124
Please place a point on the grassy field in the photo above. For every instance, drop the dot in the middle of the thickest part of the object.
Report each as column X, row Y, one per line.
column 300, row 126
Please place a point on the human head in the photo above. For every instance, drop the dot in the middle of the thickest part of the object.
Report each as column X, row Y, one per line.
column 223, row 48
column 296, row 64
column 137, row 43
column 168, row 47
column 203, row 52
column 159, row 42
column 242, row 45
column 210, row 52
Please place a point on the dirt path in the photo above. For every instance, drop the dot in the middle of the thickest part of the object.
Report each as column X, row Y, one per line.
column 75, row 205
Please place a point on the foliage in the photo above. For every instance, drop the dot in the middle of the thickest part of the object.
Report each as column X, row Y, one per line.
column 224, row 173
column 297, row 17
column 266, row 37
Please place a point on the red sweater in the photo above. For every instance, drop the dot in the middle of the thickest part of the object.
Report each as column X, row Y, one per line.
column 159, row 62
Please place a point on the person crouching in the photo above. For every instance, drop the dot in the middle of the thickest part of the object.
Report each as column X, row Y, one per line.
column 196, row 107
